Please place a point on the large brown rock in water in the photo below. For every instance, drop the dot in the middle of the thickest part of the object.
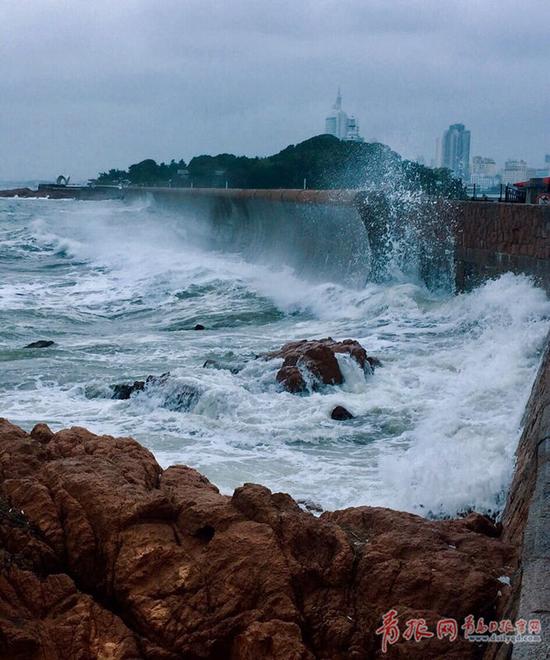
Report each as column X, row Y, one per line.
column 105, row 555
column 318, row 356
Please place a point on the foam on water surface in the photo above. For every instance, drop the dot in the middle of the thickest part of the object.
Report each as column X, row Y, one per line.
column 120, row 287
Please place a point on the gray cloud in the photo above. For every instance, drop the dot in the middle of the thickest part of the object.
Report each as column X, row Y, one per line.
column 85, row 86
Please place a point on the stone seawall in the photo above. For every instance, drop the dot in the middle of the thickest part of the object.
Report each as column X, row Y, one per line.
column 491, row 238
column 494, row 238
column 526, row 521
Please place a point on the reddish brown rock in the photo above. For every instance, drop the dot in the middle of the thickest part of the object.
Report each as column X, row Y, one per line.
column 318, row 357
column 105, row 555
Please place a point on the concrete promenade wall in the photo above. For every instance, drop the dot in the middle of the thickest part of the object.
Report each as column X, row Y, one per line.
column 183, row 195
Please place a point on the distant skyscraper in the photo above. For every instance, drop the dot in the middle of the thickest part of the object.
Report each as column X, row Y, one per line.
column 455, row 151
column 340, row 125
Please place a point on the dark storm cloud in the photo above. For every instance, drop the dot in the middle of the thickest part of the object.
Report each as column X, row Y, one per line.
column 89, row 85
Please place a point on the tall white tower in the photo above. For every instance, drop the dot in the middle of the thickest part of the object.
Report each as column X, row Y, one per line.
column 337, row 122
column 340, row 125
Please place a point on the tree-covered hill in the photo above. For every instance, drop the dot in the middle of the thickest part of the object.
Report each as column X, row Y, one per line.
column 323, row 161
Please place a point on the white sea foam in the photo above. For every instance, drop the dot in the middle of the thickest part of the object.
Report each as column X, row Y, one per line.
column 119, row 287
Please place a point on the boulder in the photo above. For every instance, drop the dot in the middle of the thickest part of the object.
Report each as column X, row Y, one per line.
column 125, row 390
column 316, row 357
column 42, row 343
column 106, row 555
column 310, row 505
column 172, row 393
column 199, row 326
column 340, row 414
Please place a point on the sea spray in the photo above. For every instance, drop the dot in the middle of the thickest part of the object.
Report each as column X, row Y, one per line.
column 119, row 288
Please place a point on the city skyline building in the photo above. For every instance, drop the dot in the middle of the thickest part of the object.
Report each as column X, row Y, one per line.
column 342, row 126
column 484, row 173
column 436, row 162
column 514, row 171
column 452, row 151
column 455, row 151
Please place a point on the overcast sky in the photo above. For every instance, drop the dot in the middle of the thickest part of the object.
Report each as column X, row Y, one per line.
column 89, row 85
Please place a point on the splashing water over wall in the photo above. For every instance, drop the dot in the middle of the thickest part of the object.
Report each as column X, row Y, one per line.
column 381, row 235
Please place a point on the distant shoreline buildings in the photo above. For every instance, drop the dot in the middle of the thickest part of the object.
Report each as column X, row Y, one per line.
column 342, row 126
column 452, row 151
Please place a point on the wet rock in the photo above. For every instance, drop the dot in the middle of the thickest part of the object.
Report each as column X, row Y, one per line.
column 374, row 362
column 90, row 521
column 125, row 390
column 157, row 380
column 317, row 358
column 179, row 397
column 199, row 326
column 340, row 414
column 310, row 505
column 292, row 379
column 42, row 433
column 171, row 392
column 42, row 343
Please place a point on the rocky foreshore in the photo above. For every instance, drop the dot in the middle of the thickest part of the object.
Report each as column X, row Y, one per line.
column 50, row 193
column 106, row 555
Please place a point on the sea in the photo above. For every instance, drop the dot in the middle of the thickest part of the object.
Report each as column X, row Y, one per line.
column 119, row 287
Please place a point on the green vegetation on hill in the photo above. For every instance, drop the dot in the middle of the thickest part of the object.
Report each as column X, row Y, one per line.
column 324, row 161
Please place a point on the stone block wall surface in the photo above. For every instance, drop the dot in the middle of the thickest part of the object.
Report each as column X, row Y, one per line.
column 495, row 238
column 526, row 521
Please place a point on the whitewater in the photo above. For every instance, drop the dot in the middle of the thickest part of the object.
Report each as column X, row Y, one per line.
column 119, row 287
